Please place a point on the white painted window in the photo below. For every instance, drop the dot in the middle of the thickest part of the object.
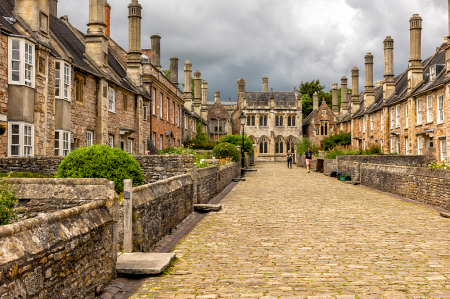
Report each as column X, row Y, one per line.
column 443, row 150
column 371, row 122
column 406, row 115
column 20, row 139
column 398, row 147
column 178, row 115
column 382, row 120
column 420, row 145
column 111, row 140
column 429, row 109
column 89, row 138
column 397, row 117
column 419, row 111
column 154, row 139
column 167, row 110
column 21, row 62
column 112, row 100
column 62, row 142
column 161, row 106
column 173, row 112
column 364, row 124
column 160, row 142
column 154, row 102
column 62, row 80
column 130, row 146
column 392, row 118
column 66, row 81
column 392, row 144
column 144, row 112
column 440, row 105
column 407, row 145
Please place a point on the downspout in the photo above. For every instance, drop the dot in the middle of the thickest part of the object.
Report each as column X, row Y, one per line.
column 182, row 124
column 151, row 114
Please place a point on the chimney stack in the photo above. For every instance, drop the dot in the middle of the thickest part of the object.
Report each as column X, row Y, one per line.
column 355, row 90
column 344, row 100
column 389, row 82
column 204, row 93
column 241, row 91
column 266, row 83
column 53, row 7
column 174, row 71
column 197, row 92
column 415, row 70
column 187, row 97
column 134, row 61
column 447, row 54
column 349, row 97
column 369, row 94
column 107, row 18
column 156, row 51
column 316, row 101
column 217, row 96
column 335, row 99
column 96, row 39
column 35, row 14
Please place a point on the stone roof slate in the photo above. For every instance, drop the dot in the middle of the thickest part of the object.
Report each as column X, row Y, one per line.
column 263, row 98
column 6, row 10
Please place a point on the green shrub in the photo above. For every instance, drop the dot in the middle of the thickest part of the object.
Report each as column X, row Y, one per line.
column 199, row 159
column 101, row 161
column 8, row 201
column 225, row 150
column 337, row 139
column 237, row 141
column 346, row 151
column 301, row 146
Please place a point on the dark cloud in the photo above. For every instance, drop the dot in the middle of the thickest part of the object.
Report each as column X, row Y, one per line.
column 288, row 40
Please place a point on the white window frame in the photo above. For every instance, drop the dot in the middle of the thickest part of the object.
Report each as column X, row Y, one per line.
column 406, row 116
column 392, row 118
column 397, row 116
column 161, row 141
column 419, row 111
column 371, row 122
column 178, row 115
column 173, row 112
column 161, row 105
column 144, row 112
column 407, row 145
column 382, row 120
column 167, row 110
column 111, row 140
column 62, row 145
column 130, row 146
column 89, row 138
column 22, row 146
column 392, row 144
column 111, row 100
column 25, row 64
column 440, row 109
column 443, row 150
column 63, row 75
column 154, row 102
column 429, row 109
column 420, row 145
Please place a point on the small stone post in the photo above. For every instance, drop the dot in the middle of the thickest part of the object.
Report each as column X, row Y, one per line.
column 127, row 216
column 195, row 182
column 116, row 229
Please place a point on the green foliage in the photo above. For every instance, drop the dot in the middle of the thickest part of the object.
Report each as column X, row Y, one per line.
column 445, row 165
column 346, row 151
column 337, row 139
column 301, row 146
column 199, row 159
column 225, row 150
column 167, row 73
column 8, row 201
column 237, row 141
column 101, row 161
column 27, row 175
column 202, row 137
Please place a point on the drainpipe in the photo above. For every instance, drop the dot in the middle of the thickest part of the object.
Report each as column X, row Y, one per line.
column 182, row 124
column 151, row 113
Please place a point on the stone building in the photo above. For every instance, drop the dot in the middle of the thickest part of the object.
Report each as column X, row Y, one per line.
column 406, row 113
column 61, row 89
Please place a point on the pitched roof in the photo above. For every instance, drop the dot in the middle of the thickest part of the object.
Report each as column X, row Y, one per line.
column 437, row 59
column 6, row 10
column 263, row 98
column 307, row 120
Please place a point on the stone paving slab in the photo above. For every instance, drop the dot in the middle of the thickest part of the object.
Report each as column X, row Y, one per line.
column 288, row 234
column 144, row 263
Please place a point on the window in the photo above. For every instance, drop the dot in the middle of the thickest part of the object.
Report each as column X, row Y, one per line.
column 249, row 120
column 419, row 111
column 253, row 120
column 392, row 118
column 281, row 121
column 263, row 145
column 15, row 61
column 21, row 63
column 398, row 144
column 62, row 82
column 130, row 146
column 66, row 81
column 89, row 138
column 161, row 106
column 154, row 138
column 173, row 113
column 382, row 120
column 371, row 122
column 122, row 142
column 392, row 144
column 443, row 150
column 112, row 100
column 160, row 142
column 289, row 121
column 407, row 145
column 111, row 140
column 79, row 89
column 324, row 128
column 125, row 103
column 397, row 117
column 440, row 105
column 429, row 109
column 293, row 121
column 21, row 140
column 144, row 112
column 420, row 145
column 277, row 121
column 62, row 143
column 265, row 121
column 406, row 115
column 261, row 121
column 154, row 102
column 167, row 110
column 317, row 130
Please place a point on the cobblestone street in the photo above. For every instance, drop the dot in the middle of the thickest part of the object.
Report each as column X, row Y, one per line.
column 288, row 234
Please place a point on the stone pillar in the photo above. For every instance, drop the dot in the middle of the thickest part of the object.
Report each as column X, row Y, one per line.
column 128, row 216
column 344, row 100
column 107, row 17
column 134, row 62
column 389, row 82
column 415, row 70
column 102, row 112
column 174, row 71
column 195, row 185
column 369, row 94
column 54, row 7
column 335, row 99
column 266, row 83
column 197, row 92
column 187, row 97
column 96, row 39
column 355, row 90
column 217, row 96
column 156, row 51
column 316, row 101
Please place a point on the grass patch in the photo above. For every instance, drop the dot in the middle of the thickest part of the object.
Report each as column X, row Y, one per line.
column 26, row 175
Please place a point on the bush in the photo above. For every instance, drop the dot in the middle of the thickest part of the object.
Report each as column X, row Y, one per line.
column 237, row 141
column 8, row 201
column 198, row 144
column 225, row 150
column 301, row 146
column 199, row 159
column 101, row 161
column 338, row 139
column 346, row 151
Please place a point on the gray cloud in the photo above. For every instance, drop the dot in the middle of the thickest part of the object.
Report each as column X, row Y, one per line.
column 287, row 40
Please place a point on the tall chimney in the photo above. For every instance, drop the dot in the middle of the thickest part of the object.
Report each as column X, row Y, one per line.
column 335, row 100
column 187, row 97
column 204, row 93
column 217, row 96
column 134, row 61
column 447, row 54
column 156, row 51
column 369, row 94
column 389, row 82
column 415, row 70
column 174, row 70
column 355, row 90
column 197, row 92
column 349, row 96
column 107, row 18
column 266, row 83
column 241, row 91
column 53, row 7
column 316, row 101
column 96, row 39
column 344, row 100
column 30, row 11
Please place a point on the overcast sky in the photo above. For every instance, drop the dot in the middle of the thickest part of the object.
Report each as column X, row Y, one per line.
column 288, row 41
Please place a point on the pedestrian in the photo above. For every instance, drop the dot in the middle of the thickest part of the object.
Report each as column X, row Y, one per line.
column 289, row 159
column 309, row 158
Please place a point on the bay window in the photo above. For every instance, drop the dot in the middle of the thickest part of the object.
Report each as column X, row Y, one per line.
column 429, row 109
column 112, row 100
column 21, row 63
column 440, row 105
column 397, row 122
column 20, row 139
column 62, row 143
column 419, row 111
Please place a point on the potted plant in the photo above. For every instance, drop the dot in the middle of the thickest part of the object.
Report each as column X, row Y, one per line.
column 2, row 129
column 345, row 177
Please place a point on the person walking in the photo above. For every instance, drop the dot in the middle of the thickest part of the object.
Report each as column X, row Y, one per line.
column 309, row 158
column 289, row 159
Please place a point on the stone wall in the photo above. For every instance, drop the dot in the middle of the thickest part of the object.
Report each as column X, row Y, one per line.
column 329, row 166
column 398, row 160
column 44, row 165
column 226, row 174
column 207, row 184
column 65, row 254
column 160, row 167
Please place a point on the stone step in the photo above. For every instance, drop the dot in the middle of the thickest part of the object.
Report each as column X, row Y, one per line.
column 143, row 263
column 353, row 182
column 206, row 207
column 251, row 170
column 239, row 180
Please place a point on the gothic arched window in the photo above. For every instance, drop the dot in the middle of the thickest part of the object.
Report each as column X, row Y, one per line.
column 253, row 120
column 261, row 147
column 248, row 120
column 265, row 121
column 293, row 121
column 277, row 149
column 261, row 121
column 277, row 121
column 289, row 121
column 281, row 121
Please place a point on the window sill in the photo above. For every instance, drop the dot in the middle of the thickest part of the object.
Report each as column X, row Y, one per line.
column 79, row 103
column 112, row 111
column 441, row 123
column 418, row 125
column 429, row 123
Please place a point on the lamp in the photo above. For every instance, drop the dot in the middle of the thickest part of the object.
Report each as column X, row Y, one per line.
column 242, row 119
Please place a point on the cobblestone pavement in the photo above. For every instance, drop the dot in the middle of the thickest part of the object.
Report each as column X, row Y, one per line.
column 288, row 234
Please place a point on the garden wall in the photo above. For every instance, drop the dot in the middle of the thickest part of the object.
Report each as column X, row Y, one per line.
column 69, row 253
column 44, row 165
column 207, row 184
column 329, row 166
column 397, row 160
